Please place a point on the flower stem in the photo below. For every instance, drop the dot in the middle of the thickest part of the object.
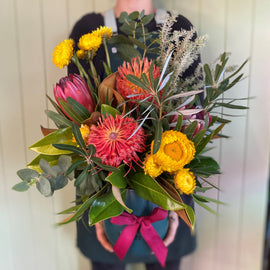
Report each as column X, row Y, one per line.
column 107, row 54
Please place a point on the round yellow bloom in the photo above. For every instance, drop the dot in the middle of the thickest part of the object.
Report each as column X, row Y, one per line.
column 185, row 181
column 89, row 42
column 175, row 151
column 85, row 131
column 151, row 168
column 104, row 32
column 81, row 54
column 63, row 53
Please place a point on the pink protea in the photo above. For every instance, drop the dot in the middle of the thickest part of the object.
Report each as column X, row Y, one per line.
column 111, row 138
column 75, row 87
column 137, row 67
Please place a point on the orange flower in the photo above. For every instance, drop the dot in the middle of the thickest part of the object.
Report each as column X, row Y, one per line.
column 111, row 140
column 137, row 67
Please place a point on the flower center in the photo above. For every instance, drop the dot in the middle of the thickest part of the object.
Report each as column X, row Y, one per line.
column 173, row 150
column 113, row 136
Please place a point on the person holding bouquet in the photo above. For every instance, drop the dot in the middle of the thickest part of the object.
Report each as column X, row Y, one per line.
column 92, row 241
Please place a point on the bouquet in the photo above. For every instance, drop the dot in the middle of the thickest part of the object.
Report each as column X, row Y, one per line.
column 142, row 128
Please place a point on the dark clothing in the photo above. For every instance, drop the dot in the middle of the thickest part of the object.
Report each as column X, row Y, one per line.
column 86, row 236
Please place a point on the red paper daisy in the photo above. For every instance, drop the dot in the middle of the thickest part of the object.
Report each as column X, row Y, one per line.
column 137, row 67
column 111, row 138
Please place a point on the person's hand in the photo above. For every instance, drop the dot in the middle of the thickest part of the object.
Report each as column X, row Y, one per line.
column 102, row 238
column 173, row 225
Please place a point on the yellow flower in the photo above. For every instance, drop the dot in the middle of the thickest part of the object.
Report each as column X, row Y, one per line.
column 151, row 168
column 90, row 42
column 104, row 32
column 81, row 54
column 63, row 53
column 85, row 131
column 185, row 181
column 175, row 151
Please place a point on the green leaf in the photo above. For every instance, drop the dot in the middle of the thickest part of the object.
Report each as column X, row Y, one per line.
column 147, row 19
column 44, row 186
column 45, row 166
column 58, row 119
column 78, row 136
column 179, row 123
column 231, row 106
column 44, row 146
column 22, row 186
column 27, row 175
column 207, row 199
column 202, row 204
column 208, row 75
column 127, row 51
column 149, row 189
column 135, row 80
column 82, row 177
column 198, row 137
column 205, row 166
column 104, row 207
column 69, row 148
column 78, row 108
column 97, row 161
column 118, row 196
column 74, row 166
column 138, row 43
column 158, row 135
column 60, row 182
column 117, row 178
column 189, row 131
column 106, row 109
column 70, row 112
column 134, row 15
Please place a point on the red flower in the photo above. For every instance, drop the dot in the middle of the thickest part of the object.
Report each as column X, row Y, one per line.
column 75, row 87
column 137, row 67
column 111, row 138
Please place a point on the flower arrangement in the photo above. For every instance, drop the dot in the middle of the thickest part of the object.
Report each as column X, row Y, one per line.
column 142, row 127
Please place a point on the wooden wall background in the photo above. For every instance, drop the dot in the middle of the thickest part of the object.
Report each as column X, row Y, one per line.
column 30, row 29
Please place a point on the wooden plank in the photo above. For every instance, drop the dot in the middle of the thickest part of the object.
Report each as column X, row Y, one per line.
column 255, row 188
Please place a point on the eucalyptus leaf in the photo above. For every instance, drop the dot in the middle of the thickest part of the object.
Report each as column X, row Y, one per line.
column 44, row 186
column 27, row 175
column 22, row 186
column 45, row 166
column 60, row 182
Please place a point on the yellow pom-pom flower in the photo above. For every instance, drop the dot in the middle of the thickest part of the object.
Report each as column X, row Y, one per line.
column 175, row 151
column 90, row 42
column 85, row 131
column 151, row 168
column 185, row 181
column 104, row 32
column 81, row 54
column 63, row 53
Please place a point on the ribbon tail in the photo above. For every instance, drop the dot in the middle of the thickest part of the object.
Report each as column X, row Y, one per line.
column 154, row 241
column 125, row 240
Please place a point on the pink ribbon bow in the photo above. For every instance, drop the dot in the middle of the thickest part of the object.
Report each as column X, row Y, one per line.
column 147, row 231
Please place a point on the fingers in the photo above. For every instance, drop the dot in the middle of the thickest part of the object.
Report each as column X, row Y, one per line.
column 102, row 238
column 173, row 225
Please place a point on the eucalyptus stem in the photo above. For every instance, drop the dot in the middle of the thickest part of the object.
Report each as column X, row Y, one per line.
column 94, row 73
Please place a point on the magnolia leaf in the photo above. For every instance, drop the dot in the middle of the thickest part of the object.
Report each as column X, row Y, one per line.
column 44, row 146
column 106, row 109
column 105, row 93
column 149, row 189
column 104, row 207
column 22, row 186
column 187, row 215
column 117, row 178
column 47, row 131
column 117, row 195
